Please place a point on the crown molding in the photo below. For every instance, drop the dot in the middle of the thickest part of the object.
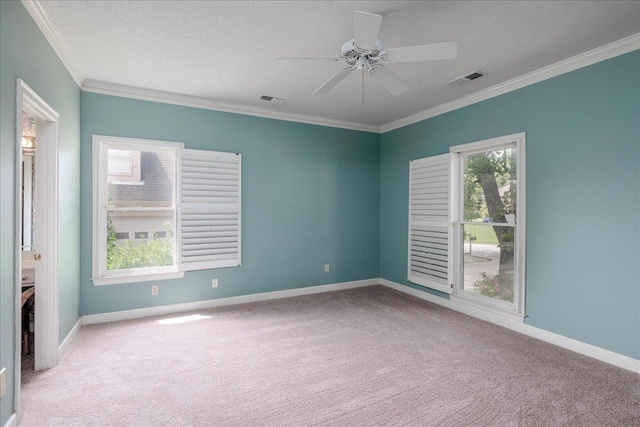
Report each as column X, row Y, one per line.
column 53, row 37
column 608, row 51
column 208, row 104
column 602, row 53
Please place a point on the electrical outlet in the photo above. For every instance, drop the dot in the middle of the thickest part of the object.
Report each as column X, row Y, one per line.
column 214, row 283
column 326, row 268
column 3, row 381
column 154, row 290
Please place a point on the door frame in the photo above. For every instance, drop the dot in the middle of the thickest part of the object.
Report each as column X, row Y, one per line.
column 46, row 308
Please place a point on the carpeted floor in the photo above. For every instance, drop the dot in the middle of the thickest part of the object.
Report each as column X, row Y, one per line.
column 369, row 356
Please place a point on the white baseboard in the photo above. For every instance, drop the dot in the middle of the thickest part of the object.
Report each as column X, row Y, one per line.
column 598, row 353
column 62, row 349
column 199, row 305
column 12, row 421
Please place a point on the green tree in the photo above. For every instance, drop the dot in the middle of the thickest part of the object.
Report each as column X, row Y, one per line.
column 485, row 173
column 111, row 238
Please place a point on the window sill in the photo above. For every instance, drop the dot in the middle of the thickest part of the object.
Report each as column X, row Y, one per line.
column 116, row 280
column 474, row 304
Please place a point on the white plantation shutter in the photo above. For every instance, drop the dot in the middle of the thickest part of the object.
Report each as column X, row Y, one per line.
column 430, row 233
column 210, row 208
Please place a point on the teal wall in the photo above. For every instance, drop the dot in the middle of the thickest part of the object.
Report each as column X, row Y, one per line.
column 583, row 196
column 314, row 195
column 310, row 197
column 25, row 54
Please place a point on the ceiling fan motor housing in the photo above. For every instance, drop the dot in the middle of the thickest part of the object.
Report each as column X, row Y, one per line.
column 359, row 58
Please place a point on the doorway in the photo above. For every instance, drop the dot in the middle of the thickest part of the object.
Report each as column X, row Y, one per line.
column 28, row 248
column 36, row 234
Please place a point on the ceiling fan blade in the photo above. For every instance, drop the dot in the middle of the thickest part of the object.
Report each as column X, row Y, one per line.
column 365, row 29
column 333, row 81
column 308, row 58
column 426, row 52
column 389, row 80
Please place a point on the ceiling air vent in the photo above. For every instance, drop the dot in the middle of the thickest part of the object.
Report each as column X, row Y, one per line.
column 273, row 99
column 467, row 78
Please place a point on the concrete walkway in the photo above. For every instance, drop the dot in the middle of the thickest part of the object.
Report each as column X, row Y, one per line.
column 483, row 258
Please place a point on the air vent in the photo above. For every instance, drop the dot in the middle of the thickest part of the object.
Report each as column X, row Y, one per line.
column 473, row 75
column 467, row 78
column 273, row 99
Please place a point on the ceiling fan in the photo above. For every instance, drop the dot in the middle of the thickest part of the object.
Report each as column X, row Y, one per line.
column 366, row 54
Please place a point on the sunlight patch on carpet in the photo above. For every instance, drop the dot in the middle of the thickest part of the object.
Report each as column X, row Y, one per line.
column 182, row 319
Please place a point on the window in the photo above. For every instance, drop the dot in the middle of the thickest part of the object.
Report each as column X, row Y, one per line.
column 489, row 220
column 467, row 224
column 161, row 210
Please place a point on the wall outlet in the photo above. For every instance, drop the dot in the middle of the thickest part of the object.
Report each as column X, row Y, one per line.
column 154, row 290
column 3, row 381
column 214, row 283
column 326, row 268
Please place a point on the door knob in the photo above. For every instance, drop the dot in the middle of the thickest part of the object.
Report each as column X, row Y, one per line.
column 38, row 256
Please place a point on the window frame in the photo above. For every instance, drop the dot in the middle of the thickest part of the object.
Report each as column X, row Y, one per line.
column 515, row 310
column 100, row 275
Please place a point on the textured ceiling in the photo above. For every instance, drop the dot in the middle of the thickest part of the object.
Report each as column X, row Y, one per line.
column 224, row 51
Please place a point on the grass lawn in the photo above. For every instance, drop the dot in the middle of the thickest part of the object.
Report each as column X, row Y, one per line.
column 482, row 233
